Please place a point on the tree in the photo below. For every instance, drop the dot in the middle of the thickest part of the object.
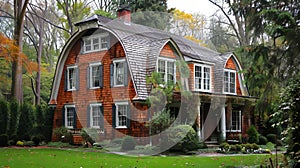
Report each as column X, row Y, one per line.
column 72, row 11
column 150, row 13
column 287, row 116
column 19, row 15
column 25, row 125
column 190, row 26
column 4, row 116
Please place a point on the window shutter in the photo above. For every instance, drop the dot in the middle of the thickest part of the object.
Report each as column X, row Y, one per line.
column 82, row 47
column 128, row 116
column 101, row 117
column 63, row 117
column 111, row 75
column 77, row 78
column 88, row 78
column 101, row 76
column 75, row 119
column 113, row 115
column 125, row 73
column 88, row 117
column 66, row 80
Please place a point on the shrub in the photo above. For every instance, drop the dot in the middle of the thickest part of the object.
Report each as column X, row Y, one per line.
column 255, row 146
column 36, row 140
column 262, row 140
column 253, row 134
column 185, row 138
column 222, row 145
column 89, row 135
column 3, row 140
column 238, row 147
column 4, row 116
column 272, row 138
column 29, row 143
column 117, row 141
column 20, row 143
column 128, row 143
column 63, row 135
column 270, row 145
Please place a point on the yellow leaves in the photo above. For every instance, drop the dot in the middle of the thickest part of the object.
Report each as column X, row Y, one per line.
column 10, row 52
column 195, row 40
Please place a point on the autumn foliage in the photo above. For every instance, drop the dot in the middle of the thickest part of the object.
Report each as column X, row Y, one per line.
column 10, row 52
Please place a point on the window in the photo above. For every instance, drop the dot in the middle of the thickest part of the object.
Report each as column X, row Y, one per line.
column 70, row 116
column 96, row 115
column 119, row 73
column 122, row 115
column 229, row 81
column 71, row 77
column 202, row 78
column 167, row 70
column 95, row 43
column 95, row 75
column 235, row 121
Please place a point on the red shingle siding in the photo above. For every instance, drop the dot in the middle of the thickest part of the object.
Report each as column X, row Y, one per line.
column 167, row 51
column 231, row 65
column 84, row 96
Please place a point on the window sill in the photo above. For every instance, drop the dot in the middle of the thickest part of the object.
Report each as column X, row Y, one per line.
column 199, row 90
column 93, row 88
column 121, row 127
column 87, row 52
column 71, row 90
column 119, row 86
column 233, row 130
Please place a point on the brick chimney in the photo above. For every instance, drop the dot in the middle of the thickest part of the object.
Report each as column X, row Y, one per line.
column 124, row 13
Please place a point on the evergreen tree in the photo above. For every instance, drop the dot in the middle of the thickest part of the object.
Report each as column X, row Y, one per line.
column 4, row 114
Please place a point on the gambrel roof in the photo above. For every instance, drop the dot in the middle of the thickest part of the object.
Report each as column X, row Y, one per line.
column 142, row 46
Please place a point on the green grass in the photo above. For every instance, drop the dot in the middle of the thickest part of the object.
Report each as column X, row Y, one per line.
column 77, row 158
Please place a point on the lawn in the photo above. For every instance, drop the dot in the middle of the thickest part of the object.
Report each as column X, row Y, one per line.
column 79, row 158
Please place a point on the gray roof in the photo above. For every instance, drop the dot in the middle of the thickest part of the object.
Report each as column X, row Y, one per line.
column 142, row 46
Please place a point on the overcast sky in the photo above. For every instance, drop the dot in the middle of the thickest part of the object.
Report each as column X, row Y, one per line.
column 193, row 6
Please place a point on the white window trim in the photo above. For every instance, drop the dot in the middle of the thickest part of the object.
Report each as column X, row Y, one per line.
column 66, row 115
column 166, row 67
column 240, row 122
column 117, row 116
column 202, row 81
column 90, row 74
column 68, row 81
column 91, row 114
column 230, row 71
column 115, row 72
column 99, row 36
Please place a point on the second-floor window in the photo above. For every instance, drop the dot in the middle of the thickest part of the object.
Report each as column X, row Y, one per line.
column 167, row 70
column 96, row 42
column 230, row 81
column 118, row 73
column 202, row 78
column 95, row 75
column 72, row 78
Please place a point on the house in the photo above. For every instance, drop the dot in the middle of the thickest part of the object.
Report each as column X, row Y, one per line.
column 100, row 80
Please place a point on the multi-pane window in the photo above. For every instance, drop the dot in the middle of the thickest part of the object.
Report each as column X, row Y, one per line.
column 121, row 114
column 95, row 115
column 69, row 116
column 230, row 81
column 95, row 43
column 167, row 70
column 71, row 77
column 95, row 75
column 235, row 121
column 202, row 78
column 119, row 73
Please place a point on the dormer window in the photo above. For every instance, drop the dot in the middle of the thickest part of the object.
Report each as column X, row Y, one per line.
column 229, row 81
column 96, row 42
column 167, row 70
column 202, row 77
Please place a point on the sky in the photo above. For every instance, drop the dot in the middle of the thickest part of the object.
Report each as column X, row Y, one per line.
column 193, row 6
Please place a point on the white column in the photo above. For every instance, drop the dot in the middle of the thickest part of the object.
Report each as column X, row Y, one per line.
column 199, row 121
column 223, row 123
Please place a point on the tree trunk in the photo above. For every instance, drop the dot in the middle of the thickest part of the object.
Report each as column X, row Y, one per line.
column 19, row 14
